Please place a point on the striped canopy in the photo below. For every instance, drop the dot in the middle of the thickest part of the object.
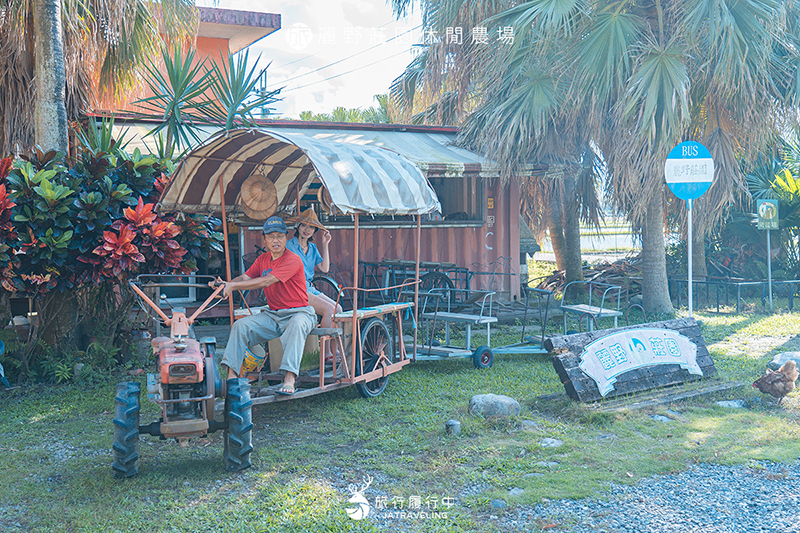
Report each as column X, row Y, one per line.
column 360, row 179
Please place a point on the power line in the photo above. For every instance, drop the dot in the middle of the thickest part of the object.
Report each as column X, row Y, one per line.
column 343, row 73
column 328, row 50
column 350, row 57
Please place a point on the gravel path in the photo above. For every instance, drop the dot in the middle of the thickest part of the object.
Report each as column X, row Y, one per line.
column 761, row 497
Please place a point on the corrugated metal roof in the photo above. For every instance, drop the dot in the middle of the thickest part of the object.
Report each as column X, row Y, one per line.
column 432, row 149
column 360, row 178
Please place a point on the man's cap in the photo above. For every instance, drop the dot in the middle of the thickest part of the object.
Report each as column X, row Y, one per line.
column 273, row 225
column 308, row 217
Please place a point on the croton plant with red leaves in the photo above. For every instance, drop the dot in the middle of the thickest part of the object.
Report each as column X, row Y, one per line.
column 66, row 227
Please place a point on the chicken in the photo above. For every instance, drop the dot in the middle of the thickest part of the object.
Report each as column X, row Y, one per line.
column 780, row 383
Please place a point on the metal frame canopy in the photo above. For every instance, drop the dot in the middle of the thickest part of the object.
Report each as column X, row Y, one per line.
column 359, row 178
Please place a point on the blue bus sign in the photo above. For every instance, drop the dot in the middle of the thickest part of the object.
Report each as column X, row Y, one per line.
column 689, row 170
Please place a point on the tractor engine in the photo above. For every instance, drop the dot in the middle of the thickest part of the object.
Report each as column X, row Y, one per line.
column 181, row 387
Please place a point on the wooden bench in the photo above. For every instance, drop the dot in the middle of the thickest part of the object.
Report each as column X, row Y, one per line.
column 375, row 310
column 594, row 311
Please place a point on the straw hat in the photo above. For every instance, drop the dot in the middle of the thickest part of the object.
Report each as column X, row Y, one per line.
column 309, row 217
column 258, row 197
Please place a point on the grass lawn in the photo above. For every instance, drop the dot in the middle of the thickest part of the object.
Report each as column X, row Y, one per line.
column 55, row 448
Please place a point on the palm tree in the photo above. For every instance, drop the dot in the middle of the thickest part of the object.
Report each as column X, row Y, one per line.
column 635, row 78
column 60, row 55
column 513, row 119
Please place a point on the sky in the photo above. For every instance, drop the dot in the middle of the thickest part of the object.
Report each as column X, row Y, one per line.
column 331, row 53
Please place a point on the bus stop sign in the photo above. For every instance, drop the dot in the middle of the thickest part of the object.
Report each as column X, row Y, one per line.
column 689, row 170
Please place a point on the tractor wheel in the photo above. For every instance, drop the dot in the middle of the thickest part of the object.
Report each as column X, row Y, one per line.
column 126, row 430
column 239, row 435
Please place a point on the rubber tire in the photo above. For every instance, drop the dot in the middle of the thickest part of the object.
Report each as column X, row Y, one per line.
column 373, row 333
column 238, row 437
column 483, row 357
column 127, row 406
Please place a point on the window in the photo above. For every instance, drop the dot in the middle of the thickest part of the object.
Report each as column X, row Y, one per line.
column 461, row 198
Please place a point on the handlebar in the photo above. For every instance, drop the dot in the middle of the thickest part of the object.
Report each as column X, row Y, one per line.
column 137, row 285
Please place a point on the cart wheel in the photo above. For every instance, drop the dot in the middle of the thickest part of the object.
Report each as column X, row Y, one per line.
column 441, row 282
column 375, row 341
column 238, row 436
column 126, row 430
column 483, row 357
column 327, row 286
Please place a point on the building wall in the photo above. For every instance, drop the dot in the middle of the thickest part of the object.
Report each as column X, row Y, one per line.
column 492, row 248
column 210, row 49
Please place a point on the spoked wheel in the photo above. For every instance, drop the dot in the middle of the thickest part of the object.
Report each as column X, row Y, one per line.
column 375, row 343
column 483, row 357
column 238, row 436
column 327, row 286
column 442, row 285
column 126, row 430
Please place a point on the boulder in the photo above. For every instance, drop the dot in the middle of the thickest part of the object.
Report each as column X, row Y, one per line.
column 550, row 442
column 781, row 358
column 488, row 405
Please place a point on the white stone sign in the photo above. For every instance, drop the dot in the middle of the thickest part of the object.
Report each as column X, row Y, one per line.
column 606, row 358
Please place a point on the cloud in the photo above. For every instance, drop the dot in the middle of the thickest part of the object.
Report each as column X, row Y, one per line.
column 327, row 38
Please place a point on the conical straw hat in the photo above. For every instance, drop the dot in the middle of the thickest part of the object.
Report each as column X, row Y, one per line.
column 258, row 197
column 308, row 217
column 324, row 198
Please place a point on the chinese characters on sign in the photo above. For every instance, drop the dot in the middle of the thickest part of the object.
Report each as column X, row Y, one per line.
column 689, row 170
column 605, row 359
column 300, row 36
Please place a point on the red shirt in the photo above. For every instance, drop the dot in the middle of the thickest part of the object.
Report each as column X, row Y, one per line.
column 290, row 291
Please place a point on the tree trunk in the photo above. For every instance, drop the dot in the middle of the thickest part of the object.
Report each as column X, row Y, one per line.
column 655, row 290
column 572, row 231
column 50, row 113
column 699, row 254
column 555, row 227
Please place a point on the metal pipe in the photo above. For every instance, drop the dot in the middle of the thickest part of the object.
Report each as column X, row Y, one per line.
column 416, row 285
column 355, row 298
column 227, row 249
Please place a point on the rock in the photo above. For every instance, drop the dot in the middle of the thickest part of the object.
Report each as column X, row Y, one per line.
column 661, row 418
column 732, row 404
column 548, row 464
column 488, row 405
column 529, row 425
column 550, row 443
column 76, row 370
column 499, row 504
column 781, row 358
column 452, row 427
column 516, row 491
column 636, row 300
